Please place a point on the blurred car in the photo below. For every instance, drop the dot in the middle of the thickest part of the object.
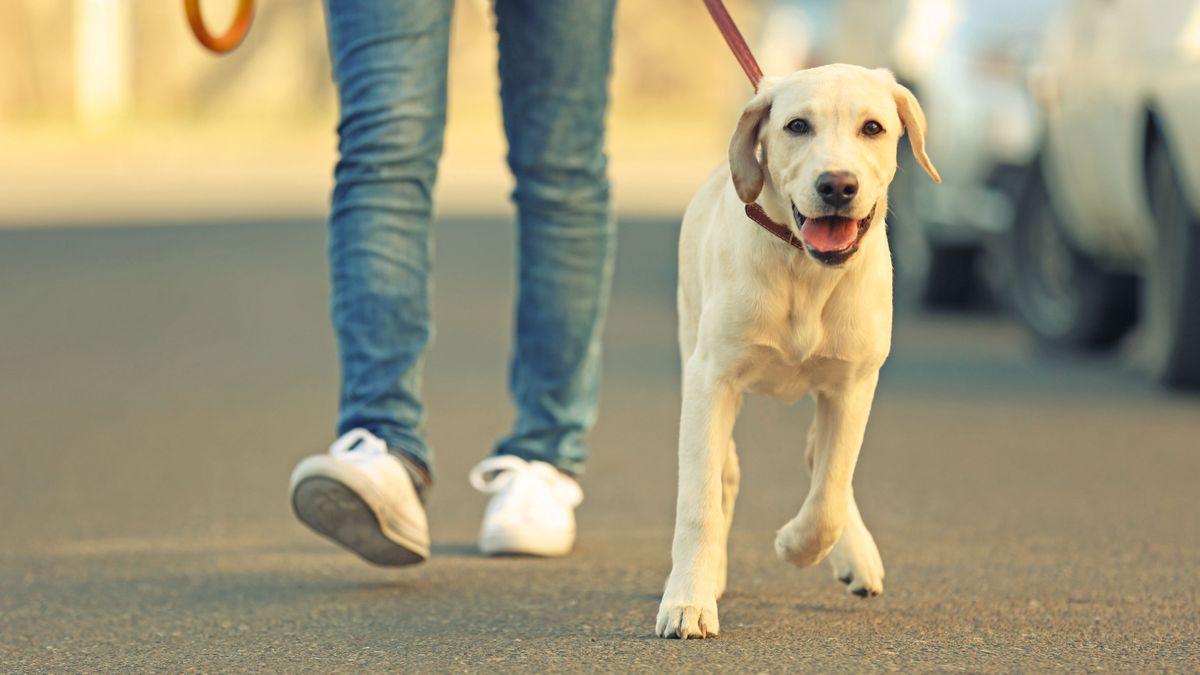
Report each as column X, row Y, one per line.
column 967, row 61
column 805, row 33
column 1116, row 203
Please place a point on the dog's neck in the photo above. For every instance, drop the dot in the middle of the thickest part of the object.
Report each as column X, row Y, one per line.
column 776, row 206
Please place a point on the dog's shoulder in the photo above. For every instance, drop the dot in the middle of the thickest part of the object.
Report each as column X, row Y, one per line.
column 710, row 194
column 709, row 226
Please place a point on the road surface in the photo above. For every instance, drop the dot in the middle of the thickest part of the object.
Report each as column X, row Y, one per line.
column 158, row 384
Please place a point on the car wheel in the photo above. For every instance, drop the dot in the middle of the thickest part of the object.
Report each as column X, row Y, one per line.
column 934, row 274
column 952, row 277
column 1172, row 292
column 1064, row 298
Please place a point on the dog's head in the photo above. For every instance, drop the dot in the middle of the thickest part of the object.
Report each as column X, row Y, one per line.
column 828, row 145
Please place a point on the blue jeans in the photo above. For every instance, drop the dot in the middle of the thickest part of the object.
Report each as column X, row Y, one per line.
column 389, row 61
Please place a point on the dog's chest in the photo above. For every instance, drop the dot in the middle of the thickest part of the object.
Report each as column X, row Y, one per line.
column 798, row 336
column 809, row 341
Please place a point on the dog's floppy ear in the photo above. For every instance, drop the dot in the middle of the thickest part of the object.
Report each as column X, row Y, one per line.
column 913, row 119
column 744, row 165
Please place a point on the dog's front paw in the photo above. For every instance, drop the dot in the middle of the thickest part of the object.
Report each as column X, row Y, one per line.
column 856, row 562
column 686, row 621
column 805, row 541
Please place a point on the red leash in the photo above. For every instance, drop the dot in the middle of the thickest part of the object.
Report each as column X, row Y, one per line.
column 733, row 38
column 745, row 58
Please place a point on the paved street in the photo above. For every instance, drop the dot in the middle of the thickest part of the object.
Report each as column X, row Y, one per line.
column 158, row 384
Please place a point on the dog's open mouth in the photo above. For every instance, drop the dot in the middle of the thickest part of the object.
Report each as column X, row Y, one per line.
column 831, row 239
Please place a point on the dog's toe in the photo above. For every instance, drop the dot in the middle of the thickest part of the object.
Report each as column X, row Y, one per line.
column 866, row 585
column 864, row 592
column 856, row 563
column 687, row 621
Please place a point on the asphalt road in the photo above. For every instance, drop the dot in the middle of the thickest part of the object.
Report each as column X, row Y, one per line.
column 157, row 385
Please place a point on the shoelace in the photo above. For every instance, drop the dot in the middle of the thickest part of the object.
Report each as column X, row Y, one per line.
column 494, row 474
column 359, row 443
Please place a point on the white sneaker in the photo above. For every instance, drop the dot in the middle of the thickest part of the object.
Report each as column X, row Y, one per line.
column 363, row 498
column 532, row 511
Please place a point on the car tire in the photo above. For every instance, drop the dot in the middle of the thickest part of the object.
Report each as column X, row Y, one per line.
column 952, row 278
column 909, row 248
column 1063, row 297
column 933, row 274
column 1172, row 290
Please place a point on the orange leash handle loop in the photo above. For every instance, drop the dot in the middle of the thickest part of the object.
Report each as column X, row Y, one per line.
column 232, row 38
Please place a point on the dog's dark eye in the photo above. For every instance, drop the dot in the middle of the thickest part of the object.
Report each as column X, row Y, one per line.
column 798, row 127
column 872, row 128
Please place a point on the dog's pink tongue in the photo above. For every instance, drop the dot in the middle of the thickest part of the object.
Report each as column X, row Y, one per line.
column 830, row 233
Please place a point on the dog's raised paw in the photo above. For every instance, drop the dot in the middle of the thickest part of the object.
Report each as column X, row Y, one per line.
column 803, row 546
column 687, row 621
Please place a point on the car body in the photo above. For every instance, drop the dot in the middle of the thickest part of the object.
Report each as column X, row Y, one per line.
column 985, row 129
column 1112, row 71
column 1119, row 84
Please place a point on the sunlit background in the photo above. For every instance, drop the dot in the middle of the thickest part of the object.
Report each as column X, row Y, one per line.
column 115, row 104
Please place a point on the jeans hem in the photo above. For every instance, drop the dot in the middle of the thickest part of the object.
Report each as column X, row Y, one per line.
column 573, row 468
column 402, row 449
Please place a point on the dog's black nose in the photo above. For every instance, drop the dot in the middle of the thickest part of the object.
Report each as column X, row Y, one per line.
column 837, row 188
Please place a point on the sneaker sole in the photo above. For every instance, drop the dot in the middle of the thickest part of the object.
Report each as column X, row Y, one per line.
column 524, row 543
column 333, row 510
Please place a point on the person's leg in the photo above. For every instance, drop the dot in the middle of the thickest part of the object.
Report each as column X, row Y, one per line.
column 555, row 59
column 389, row 63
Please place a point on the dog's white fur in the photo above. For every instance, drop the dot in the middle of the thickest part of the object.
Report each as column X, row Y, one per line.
column 758, row 315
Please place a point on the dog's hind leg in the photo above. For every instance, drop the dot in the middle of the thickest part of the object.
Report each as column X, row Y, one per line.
column 855, row 558
column 834, row 443
column 731, row 475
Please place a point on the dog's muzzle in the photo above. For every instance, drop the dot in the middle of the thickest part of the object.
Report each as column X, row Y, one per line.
column 831, row 240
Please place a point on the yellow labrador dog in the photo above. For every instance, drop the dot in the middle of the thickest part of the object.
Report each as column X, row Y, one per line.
column 817, row 150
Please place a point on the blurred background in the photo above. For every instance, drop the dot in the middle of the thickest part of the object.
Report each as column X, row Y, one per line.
column 166, row 355
column 113, row 101
column 1063, row 128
